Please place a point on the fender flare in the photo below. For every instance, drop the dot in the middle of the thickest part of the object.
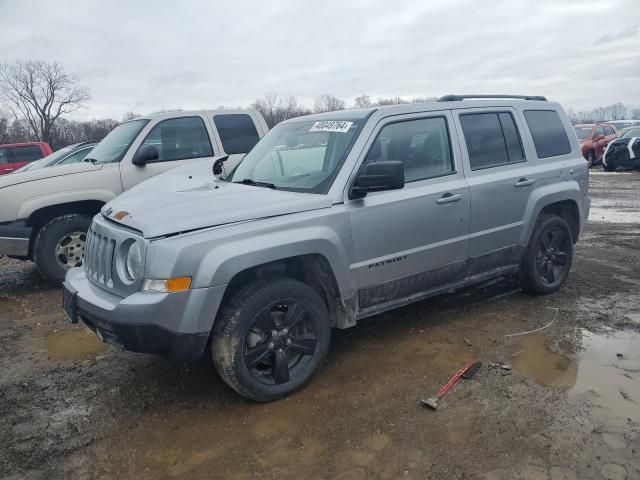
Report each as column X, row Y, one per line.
column 36, row 203
column 222, row 263
column 545, row 196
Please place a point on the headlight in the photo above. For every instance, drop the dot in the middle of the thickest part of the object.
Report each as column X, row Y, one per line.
column 133, row 262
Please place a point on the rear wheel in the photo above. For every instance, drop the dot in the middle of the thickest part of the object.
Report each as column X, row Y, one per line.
column 270, row 338
column 591, row 158
column 547, row 260
column 59, row 245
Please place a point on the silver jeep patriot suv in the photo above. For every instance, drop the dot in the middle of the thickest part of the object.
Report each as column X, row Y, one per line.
column 329, row 219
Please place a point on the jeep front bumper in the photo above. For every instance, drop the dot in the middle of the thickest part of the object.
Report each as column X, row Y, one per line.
column 175, row 325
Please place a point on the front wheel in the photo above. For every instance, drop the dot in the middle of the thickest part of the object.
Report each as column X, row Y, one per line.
column 591, row 158
column 270, row 338
column 547, row 259
column 59, row 245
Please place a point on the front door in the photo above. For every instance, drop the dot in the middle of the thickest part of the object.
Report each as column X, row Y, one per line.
column 178, row 141
column 410, row 241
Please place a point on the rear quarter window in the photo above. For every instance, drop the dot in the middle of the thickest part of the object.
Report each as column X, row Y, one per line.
column 237, row 132
column 548, row 133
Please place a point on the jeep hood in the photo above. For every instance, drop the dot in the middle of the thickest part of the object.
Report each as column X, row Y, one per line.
column 46, row 172
column 190, row 198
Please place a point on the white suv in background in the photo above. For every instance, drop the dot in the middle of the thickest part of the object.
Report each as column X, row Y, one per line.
column 45, row 213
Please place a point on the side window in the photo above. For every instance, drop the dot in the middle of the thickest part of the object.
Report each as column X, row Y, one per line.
column 599, row 132
column 548, row 133
column 422, row 145
column 26, row 154
column 609, row 131
column 237, row 132
column 75, row 157
column 4, row 156
column 180, row 139
column 492, row 139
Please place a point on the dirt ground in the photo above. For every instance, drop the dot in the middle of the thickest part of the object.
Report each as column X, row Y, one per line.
column 565, row 405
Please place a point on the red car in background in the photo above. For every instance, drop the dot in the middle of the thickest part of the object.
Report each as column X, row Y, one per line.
column 16, row 155
column 594, row 138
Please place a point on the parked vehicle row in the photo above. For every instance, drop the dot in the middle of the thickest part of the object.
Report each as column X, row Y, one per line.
column 70, row 154
column 45, row 212
column 16, row 155
column 330, row 218
column 594, row 139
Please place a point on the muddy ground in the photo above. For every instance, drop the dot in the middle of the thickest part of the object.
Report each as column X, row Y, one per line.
column 569, row 407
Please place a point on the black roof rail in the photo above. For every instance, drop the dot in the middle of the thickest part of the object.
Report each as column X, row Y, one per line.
column 457, row 98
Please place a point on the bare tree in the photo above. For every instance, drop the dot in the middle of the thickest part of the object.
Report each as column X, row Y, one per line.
column 635, row 114
column 129, row 116
column 616, row 111
column 327, row 103
column 275, row 109
column 363, row 101
column 40, row 93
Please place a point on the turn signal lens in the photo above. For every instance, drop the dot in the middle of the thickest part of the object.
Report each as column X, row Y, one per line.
column 170, row 285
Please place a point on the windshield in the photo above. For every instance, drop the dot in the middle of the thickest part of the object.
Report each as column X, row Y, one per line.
column 300, row 156
column 113, row 147
column 583, row 132
column 632, row 132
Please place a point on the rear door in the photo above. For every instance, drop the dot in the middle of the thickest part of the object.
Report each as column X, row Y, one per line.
column 599, row 141
column 179, row 140
column 409, row 241
column 500, row 181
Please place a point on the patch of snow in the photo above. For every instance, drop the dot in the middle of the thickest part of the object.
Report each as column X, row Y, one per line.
column 611, row 215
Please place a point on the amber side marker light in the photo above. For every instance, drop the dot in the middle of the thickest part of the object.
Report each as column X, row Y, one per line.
column 170, row 285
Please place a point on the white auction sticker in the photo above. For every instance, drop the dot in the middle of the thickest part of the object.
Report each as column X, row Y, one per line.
column 337, row 126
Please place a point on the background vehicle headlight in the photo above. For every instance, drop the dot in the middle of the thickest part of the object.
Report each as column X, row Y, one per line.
column 133, row 262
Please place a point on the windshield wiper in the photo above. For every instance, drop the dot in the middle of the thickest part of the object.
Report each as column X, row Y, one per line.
column 248, row 181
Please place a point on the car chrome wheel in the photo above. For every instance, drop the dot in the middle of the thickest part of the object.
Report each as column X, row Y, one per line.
column 70, row 250
column 280, row 342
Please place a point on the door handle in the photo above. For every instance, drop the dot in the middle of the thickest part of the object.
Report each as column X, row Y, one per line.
column 449, row 198
column 524, row 182
column 8, row 170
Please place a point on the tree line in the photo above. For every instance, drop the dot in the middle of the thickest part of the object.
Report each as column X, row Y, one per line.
column 36, row 97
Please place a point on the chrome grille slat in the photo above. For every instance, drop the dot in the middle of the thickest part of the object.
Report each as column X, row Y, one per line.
column 99, row 256
column 104, row 241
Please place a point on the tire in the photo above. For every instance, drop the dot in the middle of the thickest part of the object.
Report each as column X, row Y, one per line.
column 591, row 158
column 250, row 359
column 66, row 233
column 548, row 257
column 610, row 166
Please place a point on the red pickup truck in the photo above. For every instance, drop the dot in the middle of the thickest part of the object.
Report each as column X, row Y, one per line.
column 15, row 155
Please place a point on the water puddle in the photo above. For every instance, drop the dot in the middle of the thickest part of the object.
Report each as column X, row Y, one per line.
column 609, row 374
column 76, row 344
column 544, row 366
column 606, row 371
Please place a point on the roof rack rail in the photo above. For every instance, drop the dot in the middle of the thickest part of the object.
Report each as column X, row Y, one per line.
column 457, row 98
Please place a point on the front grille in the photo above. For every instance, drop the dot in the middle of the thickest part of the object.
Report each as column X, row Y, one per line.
column 99, row 255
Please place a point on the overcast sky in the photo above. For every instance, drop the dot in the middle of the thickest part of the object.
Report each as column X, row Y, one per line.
column 147, row 56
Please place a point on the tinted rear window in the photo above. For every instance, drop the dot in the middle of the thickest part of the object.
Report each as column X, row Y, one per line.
column 548, row 133
column 237, row 132
column 492, row 139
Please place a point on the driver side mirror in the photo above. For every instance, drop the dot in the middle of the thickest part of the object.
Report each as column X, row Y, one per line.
column 378, row 177
column 146, row 154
